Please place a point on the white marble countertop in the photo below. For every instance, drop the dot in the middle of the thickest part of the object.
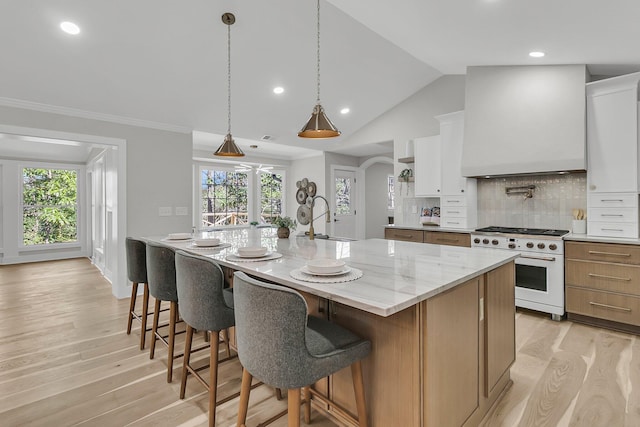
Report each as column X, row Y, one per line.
column 396, row 275
column 596, row 239
column 430, row 228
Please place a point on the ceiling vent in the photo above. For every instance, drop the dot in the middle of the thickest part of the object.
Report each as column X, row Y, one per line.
column 267, row 138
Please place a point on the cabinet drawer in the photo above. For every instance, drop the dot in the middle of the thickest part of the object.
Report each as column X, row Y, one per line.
column 613, row 229
column 608, row 200
column 613, row 214
column 453, row 201
column 453, row 222
column 453, row 212
column 451, row 239
column 603, row 305
column 405, row 235
column 605, row 252
column 603, row 276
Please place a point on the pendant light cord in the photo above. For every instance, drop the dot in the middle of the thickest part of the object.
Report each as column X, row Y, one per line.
column 229, row 78
column 318, row 34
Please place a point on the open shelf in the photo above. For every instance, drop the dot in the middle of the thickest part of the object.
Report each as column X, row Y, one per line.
column 406, row 159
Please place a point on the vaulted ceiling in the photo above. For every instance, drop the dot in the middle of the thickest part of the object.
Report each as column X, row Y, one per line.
column 164, row 61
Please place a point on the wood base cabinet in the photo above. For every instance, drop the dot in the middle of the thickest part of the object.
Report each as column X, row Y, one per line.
column 443, row 362
column 603, row 282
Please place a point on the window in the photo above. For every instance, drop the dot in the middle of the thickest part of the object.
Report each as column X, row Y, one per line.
column 49, row 206
column 343, row 195
column 223, row 197
column 271, row 195
column 391, row 198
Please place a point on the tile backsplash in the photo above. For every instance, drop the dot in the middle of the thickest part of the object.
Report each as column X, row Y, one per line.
column 551, row 206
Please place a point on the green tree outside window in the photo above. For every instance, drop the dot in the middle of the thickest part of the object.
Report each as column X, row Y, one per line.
column 50, row 206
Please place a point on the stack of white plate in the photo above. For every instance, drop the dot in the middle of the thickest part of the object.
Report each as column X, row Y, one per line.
column 252, row 251
column 206, row 242
column 325, row 267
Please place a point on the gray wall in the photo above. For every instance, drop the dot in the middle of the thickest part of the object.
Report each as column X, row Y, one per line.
column 376, row 199
column 158, row 172
column 158, row 166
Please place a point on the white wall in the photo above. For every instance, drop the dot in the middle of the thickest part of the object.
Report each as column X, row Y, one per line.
column 411, row 119
column 158, row 172
column 376, row 199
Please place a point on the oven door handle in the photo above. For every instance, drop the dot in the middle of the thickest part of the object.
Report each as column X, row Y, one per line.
column 546, row 258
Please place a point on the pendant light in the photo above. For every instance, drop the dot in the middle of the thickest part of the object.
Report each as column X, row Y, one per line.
column 319, row 125
column 229, row 147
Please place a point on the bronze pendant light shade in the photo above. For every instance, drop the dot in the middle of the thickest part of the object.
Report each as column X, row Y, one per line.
column 229, row 147
column 319, row 125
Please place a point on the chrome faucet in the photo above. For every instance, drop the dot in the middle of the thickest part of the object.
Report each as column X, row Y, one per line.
column 327, row 213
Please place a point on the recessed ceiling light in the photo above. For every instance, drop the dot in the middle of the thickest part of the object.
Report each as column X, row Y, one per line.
column 70, row 28
column 536, row 54
column 278, row 90
column 345, row 110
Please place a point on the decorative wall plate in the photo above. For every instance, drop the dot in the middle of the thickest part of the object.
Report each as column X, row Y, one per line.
column 303, row 215
column 311, row 189
column 301, row 196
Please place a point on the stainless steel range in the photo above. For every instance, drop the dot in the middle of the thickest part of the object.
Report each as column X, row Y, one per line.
column 540, row 267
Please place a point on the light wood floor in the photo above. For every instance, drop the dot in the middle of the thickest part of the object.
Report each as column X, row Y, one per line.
column 65, row 360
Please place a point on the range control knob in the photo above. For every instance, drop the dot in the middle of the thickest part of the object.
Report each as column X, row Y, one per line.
column 494, row 242
column 476, row 240
column 540, row 245
column 485, row 241
column 553, row 246
column 512, row 245
column 529, row 245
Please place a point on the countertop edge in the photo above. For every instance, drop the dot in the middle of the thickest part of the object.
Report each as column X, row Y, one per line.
column 571, row 237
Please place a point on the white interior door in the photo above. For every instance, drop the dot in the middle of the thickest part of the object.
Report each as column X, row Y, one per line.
column 344, row 215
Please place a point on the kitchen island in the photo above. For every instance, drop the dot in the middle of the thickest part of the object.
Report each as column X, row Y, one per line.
column 440, row 319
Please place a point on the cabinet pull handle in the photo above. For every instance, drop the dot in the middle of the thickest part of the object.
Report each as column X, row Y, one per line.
column 613, row 229
column 454, row 201
column 602, row 276
column 608, row 253
column 453, row 222
column 613, row 307
column 454, row 211
column 616, row 215
column 405, row 236
column 446, row 240
column 611, row 200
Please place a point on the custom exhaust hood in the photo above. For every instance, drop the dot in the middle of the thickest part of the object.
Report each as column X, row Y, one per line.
column 524, row 120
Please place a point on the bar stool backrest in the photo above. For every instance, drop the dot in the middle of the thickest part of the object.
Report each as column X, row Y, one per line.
column 161, row 272
column 136, row 260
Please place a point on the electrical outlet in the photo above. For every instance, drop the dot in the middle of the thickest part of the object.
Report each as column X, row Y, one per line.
column 414, row 209
column 165, row 211
column 182, row 210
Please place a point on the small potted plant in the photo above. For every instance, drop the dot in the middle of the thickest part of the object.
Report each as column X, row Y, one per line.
column 253, row 224
column 285, row 224
column 405, row 176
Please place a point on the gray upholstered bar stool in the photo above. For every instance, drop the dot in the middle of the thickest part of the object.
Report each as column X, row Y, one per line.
column 161, row 275
column 137, row 274
column 282, row 346
column 205, row 306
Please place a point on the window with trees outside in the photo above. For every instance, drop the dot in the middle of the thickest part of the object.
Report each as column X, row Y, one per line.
column 49, row 206
column 271, row 192
column 223, row 197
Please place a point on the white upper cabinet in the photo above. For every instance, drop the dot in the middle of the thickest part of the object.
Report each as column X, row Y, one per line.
column 428, row 168
column 612, row 134
column 451, row 136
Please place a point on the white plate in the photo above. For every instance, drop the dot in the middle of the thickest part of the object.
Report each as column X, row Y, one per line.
column 305, row 270
column 206, row 243
column 254, row 256
column 324, row 265
column 179, row 236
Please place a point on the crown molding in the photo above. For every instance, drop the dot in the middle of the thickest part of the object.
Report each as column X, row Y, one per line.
column 73, row 112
